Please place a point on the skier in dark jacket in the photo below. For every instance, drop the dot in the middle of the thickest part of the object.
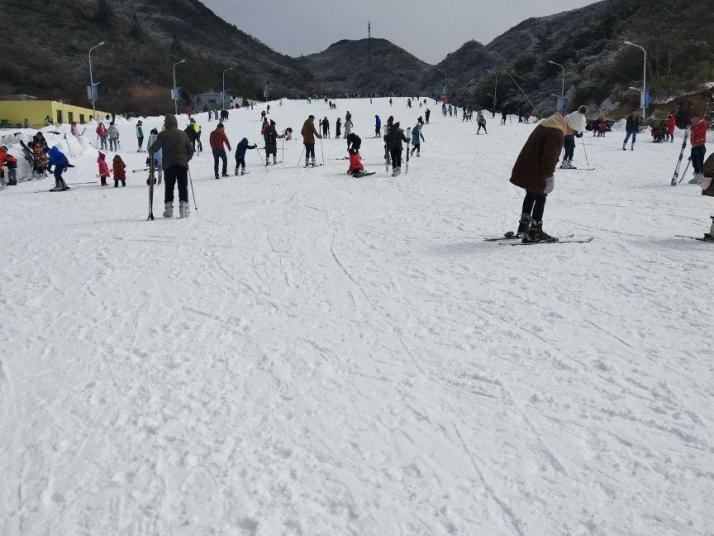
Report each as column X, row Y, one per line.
column 427, row 115
column 338, row 127
column 377, row 126
column 241, row 149
column 270, row 136
column 325, row 128
column 394, row 139
column 353, row 142
column 632, row 126
column 177, row 151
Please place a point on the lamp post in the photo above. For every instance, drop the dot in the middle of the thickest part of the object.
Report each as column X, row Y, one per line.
column 644, row 77
column 223, row 95
column 91, row 80
column 562, row 91
column 176, row 96
column 557, row 100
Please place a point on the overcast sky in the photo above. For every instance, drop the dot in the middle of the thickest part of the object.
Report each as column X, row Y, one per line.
column 429, row 29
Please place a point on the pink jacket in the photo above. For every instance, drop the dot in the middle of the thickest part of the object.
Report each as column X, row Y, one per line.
column 104, row 170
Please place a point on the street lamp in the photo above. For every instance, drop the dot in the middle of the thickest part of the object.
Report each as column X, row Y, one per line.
column 644, row 77
column 223, row 95
column 557, row 100
column 495, row 89
column 562, row 91
column 91, row 80
column 176, row 96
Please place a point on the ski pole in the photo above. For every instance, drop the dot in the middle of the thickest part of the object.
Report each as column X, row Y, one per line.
column 587, row 160
column 190, row 180
column 139, row 170
column 260, row 156
column 322, row 153
column 298, row 164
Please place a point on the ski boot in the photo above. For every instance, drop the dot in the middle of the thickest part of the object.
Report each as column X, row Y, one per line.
column 624, row 146
column 632, row 147
column 697, row 179
column 12, row 177
column 537, row 234
column 397, row 171
column 183, row 209
column 524, row 225
column 237, row 171
column 275, row 160
column 224, row 174
column 217, row 177
column 168, row 209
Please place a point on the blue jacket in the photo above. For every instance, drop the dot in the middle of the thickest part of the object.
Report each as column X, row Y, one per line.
column 57, row 158
column 417, row 136
column 377, row 122
column 242, row 147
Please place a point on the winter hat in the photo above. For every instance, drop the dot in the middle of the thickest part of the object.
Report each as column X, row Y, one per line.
column 576, row 121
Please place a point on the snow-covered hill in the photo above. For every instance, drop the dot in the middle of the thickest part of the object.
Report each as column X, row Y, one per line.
column 312, row 354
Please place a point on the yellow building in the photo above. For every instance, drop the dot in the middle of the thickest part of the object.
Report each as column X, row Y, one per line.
column 13, row 113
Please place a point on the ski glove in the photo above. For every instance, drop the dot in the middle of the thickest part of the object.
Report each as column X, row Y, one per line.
column 549, row 185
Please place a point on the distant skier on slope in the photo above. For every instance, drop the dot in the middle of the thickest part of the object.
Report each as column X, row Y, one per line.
column 58, row 159
column 309, row 133
column 377, row 126
column 394, row 140
column 481, row 121
column 579, row 120
column 632, row 127
column 338, row 128
column 417, row 138
column 177, row 152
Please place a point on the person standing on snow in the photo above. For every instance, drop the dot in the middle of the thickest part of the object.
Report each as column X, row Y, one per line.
column 309, row 133
column 104, row 171
column 218, row 140
column 632, row 127
column 534, row 170
column 394, row 139
column 576, row 118
column 338, row 128
column 671, row 127
column 113, row 137
column 377, row 126
column 348, row 124
column 481, row 120
column 417, row 138
column 427, row 115
column 177, row 152
column 326, row 128
column 699, row 147
column 102, row 135
column 270, row 137
column 156, row 157
column 241, row 149
column 139, row 135
column 7, row 159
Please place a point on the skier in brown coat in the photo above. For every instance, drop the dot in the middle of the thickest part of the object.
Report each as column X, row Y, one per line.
column 309, row 133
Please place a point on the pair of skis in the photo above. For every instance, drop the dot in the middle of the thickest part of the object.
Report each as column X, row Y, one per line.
column 676, row 179
column 513, row 239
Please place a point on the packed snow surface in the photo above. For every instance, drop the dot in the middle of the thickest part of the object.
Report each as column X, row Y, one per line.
column 310, row 354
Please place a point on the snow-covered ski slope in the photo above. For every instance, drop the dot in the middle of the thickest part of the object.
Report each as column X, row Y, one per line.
column 310, row 354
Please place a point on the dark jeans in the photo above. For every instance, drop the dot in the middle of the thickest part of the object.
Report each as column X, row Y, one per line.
column 634, row 137
column 480, row 126
column 140, row 141
column 309, row 150
column 534, row 204
column 58, row 173
column 117, row 181
column 176, row 174
column 569, row 147
column 396, row 155
column 377, row 131
column 220, row 154
column 698, row 153
column 417, row 148
column 240, row 163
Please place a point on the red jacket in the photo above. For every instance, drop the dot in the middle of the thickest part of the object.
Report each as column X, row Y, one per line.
column 104, row 170
column 218, row 138
column 699, row 133
column 119, row 168
column 6, row 157
column 355, row 163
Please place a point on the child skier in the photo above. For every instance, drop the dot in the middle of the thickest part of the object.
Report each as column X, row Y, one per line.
column 102, row 135
column 119, row 171
column 7, row 159
column 377, row 126
column 157, row 157
column 481, row 120
column 104, row 170
column 60, row 163
column 270, row 137
column 241, row 149
column 356, row 167
column 417, row 138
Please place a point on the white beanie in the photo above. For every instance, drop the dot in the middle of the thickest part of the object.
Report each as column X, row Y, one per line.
column 576, row 121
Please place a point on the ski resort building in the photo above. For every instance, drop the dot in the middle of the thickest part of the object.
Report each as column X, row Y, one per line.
column 16, row 109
